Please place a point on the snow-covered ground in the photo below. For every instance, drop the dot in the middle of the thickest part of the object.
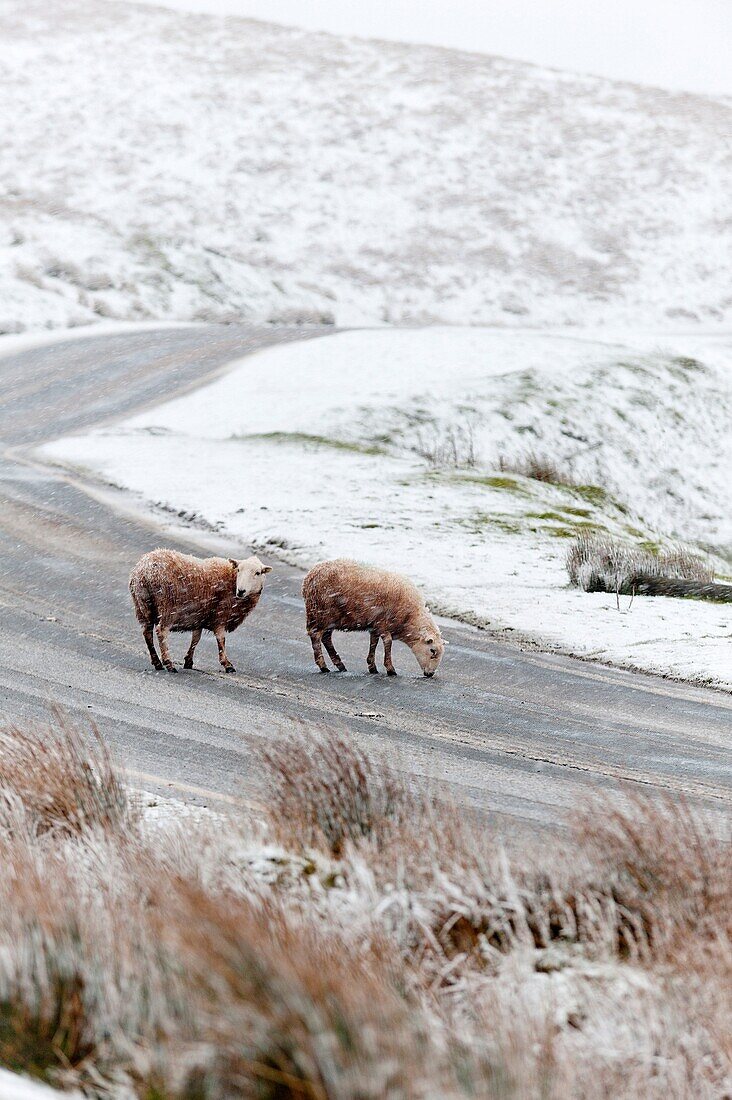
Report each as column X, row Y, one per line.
column 686, row 44
column 384, row 445
column 160, row 164
column 14, row 1087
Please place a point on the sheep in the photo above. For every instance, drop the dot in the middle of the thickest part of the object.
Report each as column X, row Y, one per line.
column 343, row 595
column 177, row 592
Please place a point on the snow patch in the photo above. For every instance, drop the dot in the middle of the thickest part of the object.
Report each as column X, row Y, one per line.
column 14, row 1087
column 179, row 166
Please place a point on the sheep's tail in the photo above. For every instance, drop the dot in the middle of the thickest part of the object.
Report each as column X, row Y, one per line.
column 143, row 600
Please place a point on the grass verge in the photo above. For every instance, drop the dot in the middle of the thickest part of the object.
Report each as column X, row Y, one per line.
column 408, row 955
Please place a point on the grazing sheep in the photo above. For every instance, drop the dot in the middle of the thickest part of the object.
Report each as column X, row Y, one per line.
column 343, row 595
column 176, row 592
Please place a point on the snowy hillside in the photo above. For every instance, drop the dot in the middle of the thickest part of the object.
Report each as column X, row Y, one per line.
column 159, row 164
column 385, row 446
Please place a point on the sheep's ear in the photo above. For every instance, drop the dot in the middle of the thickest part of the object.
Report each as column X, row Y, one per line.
column 234, row 562
column 266, row 568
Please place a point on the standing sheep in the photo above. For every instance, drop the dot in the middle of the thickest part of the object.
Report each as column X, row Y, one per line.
column 343, row 595
column 177, row 592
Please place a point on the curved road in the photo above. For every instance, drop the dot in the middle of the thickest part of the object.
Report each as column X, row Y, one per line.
column 521, row 734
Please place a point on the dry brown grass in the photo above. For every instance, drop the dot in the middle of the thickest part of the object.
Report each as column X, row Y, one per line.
column 666, row 863
column 293, row 1009
column 64, row 780
column 640, row 875
column 321, row 789
column 43, row 1020
column 640, row 880
column 619, row 1040
column 407, row 956
column 84, row 983
column 540, row 467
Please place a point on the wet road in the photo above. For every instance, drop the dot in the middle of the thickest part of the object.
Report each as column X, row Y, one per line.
column 521, row 734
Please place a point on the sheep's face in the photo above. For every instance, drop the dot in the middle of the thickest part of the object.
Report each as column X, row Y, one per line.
column 428, row 649
column 250, row 575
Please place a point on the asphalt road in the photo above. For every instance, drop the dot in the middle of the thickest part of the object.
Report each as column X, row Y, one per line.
column 522, row 735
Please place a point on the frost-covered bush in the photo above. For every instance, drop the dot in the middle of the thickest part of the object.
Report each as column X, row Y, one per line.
column 64, row 779
column 447, row 446
column 540, row 467
column 600, row 563
column 421, row 961
column 323, row 790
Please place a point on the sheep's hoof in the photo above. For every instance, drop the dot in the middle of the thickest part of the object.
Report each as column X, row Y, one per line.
column 324, row 669
column 158, row 667
column 229, row 668
column 391, row 672
column 187, row 663
column 374, row 671
column 171, row 668
column 341, row 667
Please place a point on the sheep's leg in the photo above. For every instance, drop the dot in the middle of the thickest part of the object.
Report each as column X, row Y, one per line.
column 315, row 638
column 386, row 639
column 195, row 639
column 147, row 633
column 371, row 659
column 162, row 632
column 328, row 643
column 220, row 634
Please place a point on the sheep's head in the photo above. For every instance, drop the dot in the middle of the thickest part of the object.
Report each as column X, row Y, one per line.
column 250, row 575
column 428, row 647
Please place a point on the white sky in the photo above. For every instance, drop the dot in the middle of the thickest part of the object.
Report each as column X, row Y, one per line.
column 671, row 43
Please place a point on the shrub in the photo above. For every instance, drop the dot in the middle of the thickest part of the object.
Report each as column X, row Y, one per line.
column 600, row 563
column 432, row 963
column 44, row 1023
column 538, row 466
column 64, row 780
column 449, row 892
column 450, row 446
column 665, row 862
column 322, row 790
column 293, row 1009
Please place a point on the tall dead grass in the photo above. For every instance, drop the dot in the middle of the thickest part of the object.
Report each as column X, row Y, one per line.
column 407, row 957
column 536, row 465
column 639, row 877
column 448, row 446
column 666, row 863
column 64, row 779
column 322, row 789
column 292, row 1008
column 43, row 1019
column 600, row 563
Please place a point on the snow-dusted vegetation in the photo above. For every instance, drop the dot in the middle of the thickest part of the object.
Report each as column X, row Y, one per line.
column 535, row 412
column 402, row 449
column 369, row 941
column 158, row 164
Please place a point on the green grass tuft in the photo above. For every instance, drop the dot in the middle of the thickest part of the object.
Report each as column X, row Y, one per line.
column 499, row 482
column 315, row 441
column 561, row 532
column 478, row 521
column 583, row 513
column 595, row 494
column 688, row 364
column 557, row 517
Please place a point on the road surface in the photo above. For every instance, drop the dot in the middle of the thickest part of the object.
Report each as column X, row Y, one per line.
column 522, row 735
